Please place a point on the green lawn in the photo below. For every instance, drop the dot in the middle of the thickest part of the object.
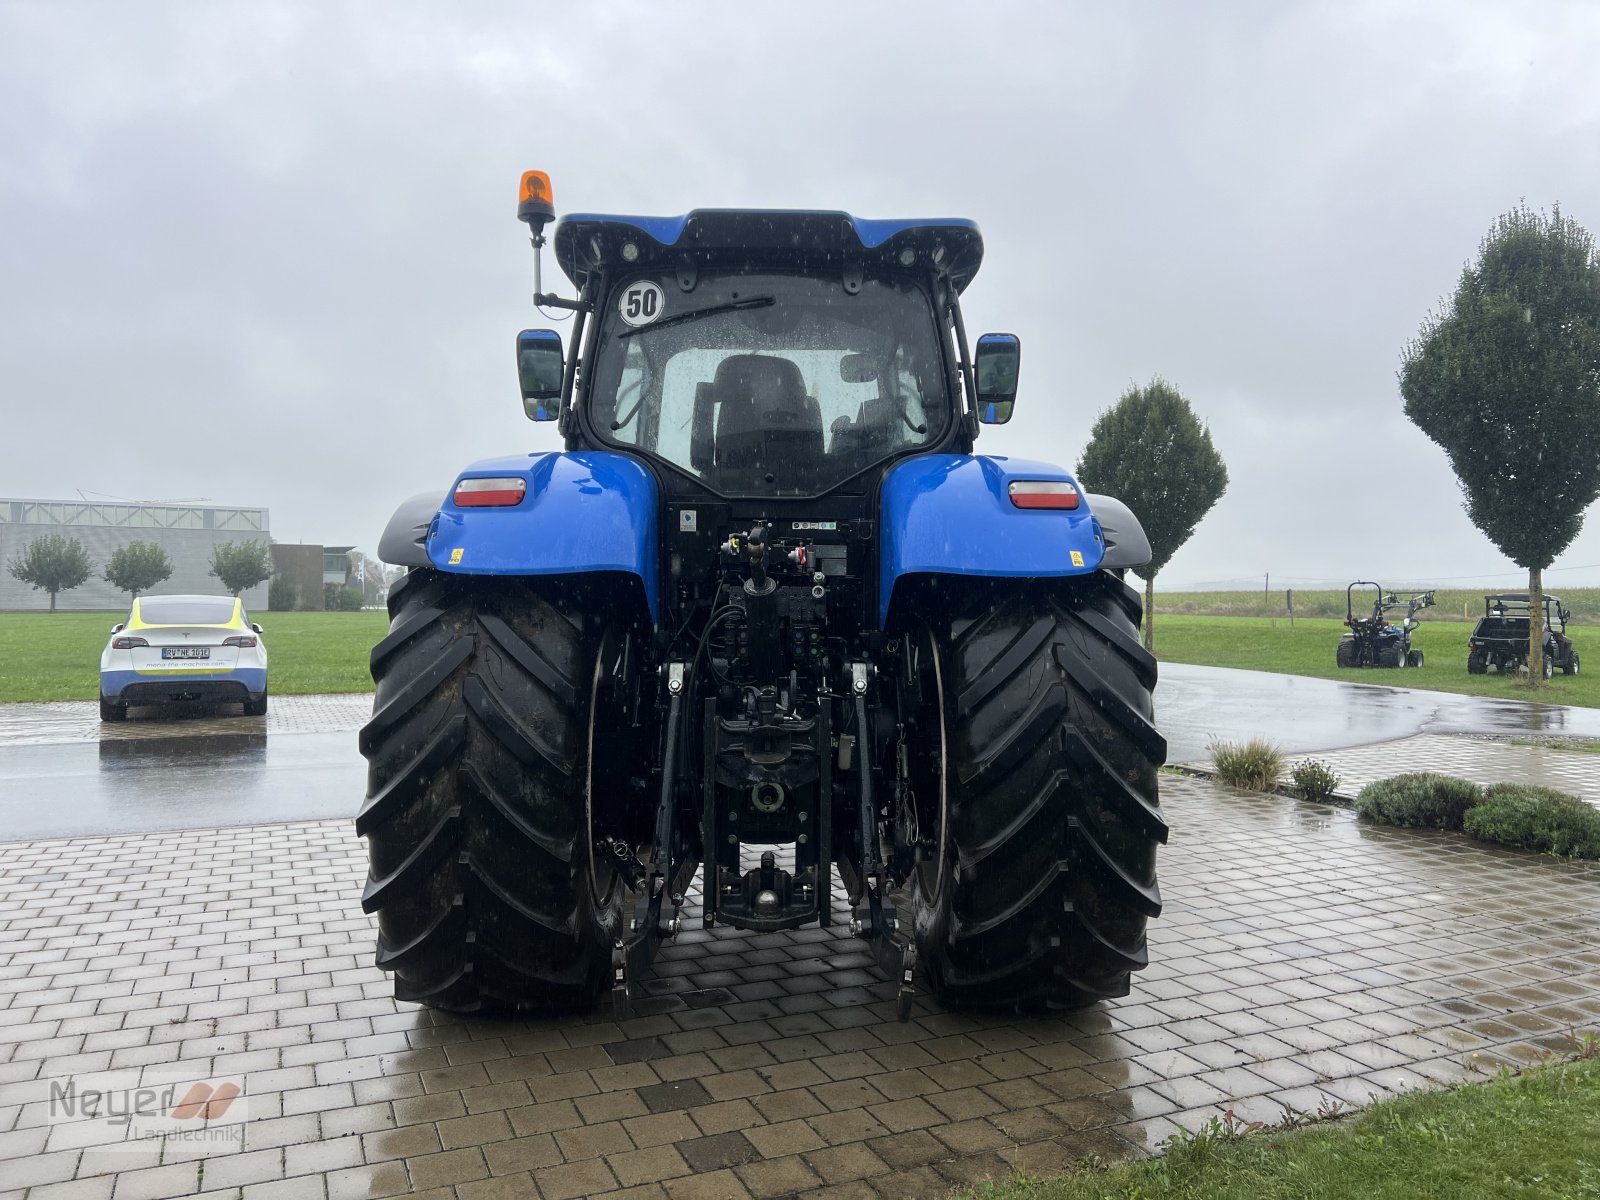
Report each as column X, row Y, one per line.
column 1269, row 644
column 1452, row 604
column 56, row 656
column 1534, row 1136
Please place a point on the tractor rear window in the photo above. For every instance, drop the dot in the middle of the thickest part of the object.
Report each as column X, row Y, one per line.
column 769, row 384
column 186, row 610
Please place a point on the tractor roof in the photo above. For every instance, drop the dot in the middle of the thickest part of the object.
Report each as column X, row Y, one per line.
column 1518, row 597
column 587, row 242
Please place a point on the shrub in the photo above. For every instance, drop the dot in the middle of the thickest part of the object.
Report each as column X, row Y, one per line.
column 1314, row 780
column 1418, row 801
column 1536, row 818
column 1256, row 764
column 347, row 599
column 282, row 594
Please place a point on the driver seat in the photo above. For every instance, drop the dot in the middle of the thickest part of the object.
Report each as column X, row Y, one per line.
column 765, row 420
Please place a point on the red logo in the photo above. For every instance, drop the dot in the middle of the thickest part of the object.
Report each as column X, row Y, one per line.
column 205, row 1102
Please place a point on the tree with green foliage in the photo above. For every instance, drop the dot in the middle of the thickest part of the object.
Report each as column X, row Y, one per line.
column 241, row 565
column 137, row 567
column 1506, row 379
column 1151, row 452
column 54, row 562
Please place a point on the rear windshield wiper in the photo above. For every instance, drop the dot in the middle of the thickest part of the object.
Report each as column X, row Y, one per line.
column 695, row 314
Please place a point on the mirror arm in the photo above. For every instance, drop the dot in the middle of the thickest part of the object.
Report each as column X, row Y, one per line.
column 551, row 300
column 964, row 360
column 544, row 299
column 566, row 423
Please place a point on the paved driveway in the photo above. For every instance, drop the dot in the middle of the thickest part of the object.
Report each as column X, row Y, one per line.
column 1574, row 772
column 69, row 774
column 1303, row 959
column 69, row 721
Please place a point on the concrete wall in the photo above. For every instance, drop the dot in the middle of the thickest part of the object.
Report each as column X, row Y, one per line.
column 187, row 533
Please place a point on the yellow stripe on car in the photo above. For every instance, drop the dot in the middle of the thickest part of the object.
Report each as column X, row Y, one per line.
column 236, row 621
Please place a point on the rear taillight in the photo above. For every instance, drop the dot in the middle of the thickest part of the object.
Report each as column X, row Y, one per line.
column 127, row 643
column 1043, row 493
column 491, row 493
column 244, row 643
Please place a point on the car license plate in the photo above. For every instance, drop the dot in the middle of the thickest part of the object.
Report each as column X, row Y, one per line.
column 186, row 652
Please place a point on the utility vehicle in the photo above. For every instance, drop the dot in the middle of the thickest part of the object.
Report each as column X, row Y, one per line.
column 1500, row 639
column 766, row 617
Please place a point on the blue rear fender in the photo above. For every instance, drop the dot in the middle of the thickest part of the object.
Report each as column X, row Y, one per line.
column 584, row 511
column 951, row 514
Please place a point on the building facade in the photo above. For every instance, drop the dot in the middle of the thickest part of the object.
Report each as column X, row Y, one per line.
column 187, row 532
column 312, row 569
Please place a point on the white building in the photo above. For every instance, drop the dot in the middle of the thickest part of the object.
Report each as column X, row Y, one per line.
column 187, row 532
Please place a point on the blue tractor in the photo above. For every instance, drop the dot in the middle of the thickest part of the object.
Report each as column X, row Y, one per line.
column 768, row 620
column 1375, row 640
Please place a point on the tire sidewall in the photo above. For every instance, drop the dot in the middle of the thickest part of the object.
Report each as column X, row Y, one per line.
column 930, row 905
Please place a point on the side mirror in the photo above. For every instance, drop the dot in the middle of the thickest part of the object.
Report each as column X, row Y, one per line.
column 117, row 628
column 254, row 626
column 996, row 362
column 539, row 372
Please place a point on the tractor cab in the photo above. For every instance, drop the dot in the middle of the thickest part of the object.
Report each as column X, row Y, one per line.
column 770, row 354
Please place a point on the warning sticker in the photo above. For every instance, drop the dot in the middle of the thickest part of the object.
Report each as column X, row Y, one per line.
column 1077, row 558
column 641, row 303
column 455, row 556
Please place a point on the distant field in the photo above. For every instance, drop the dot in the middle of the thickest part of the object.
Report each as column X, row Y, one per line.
column 1453, row 604
column 1268, row 644
column 56, row 656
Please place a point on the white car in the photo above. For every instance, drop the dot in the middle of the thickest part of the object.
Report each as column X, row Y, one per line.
column 174, row 648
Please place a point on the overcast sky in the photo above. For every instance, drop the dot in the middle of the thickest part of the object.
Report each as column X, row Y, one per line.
column 267, row 254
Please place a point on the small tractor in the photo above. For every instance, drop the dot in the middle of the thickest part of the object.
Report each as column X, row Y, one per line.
column 768, row 619
column 1375, row 640
column 1501, row 637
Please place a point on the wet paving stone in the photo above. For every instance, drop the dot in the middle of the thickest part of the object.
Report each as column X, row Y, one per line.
column 1303, row 959
column 1478, row 759
column 67, row 721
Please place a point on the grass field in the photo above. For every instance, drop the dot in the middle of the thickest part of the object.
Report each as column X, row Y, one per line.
column 1269, row 644
column 1450, row 605
column 1533, row 1136
column 56, row 656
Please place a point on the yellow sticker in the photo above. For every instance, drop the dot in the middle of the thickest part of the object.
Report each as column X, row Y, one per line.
column 1077, row 558
column 455, row 556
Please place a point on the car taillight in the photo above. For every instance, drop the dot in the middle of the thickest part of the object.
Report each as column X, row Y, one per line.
column 1043, row 493
column 127, row 643
column 244, row 643
column 491, row 493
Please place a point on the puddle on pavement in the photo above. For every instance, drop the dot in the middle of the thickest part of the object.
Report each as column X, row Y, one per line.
column 187, row 751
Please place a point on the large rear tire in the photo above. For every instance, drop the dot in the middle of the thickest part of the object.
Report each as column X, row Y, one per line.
column 1391, row 654
column 1049, row 844
column 482, row 872
column 1345, row 655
